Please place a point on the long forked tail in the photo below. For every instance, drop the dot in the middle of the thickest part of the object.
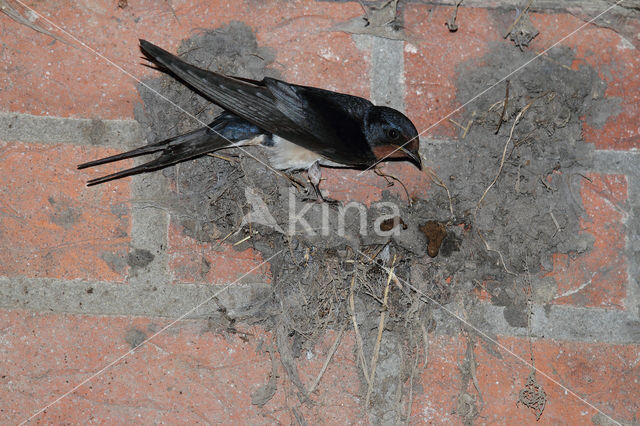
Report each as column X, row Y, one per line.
column 225, row 131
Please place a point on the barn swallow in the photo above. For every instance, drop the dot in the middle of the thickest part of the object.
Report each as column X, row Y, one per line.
column 301, row 127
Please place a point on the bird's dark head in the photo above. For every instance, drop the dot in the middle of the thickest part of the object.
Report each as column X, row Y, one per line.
column 392, row 136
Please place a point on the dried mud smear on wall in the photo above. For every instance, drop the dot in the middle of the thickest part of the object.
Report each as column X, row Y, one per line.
column 311, row 277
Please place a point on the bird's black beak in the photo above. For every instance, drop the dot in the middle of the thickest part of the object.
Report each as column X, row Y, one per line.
column 413, row 157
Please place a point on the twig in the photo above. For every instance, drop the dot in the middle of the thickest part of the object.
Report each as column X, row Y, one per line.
column 326, row 361
column 504, row 107
column 413, row 371
column 242, row 240
column 529, row 312
column 517, row 19
column 12, row 13
column 558, row 229
column 466, row 129
column 451, row 24
column 397, row 281
column 386, row 175
column 546, row 185
column 425, row 336
column 298, row 415
column 287, row 360
column 378, row 250
column 586, row 177
column 456, row 123
column 224, row 239
column 173, row 12
column 363, row 362
column 486, row 244
column 532, row 395
column 364, row 8
column 376, row 351
column 491, row 108
column 436, row 179
column 504, row 155
column 473, row 367
column 222, row 157
column 307, row 253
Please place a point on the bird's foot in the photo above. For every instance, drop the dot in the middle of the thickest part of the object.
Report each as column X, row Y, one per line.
column 329, row 201
column 315, row 177
column 295, row 182
column 319, row 198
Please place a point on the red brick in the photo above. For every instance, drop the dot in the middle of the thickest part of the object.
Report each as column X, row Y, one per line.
column 52, row 225
column 599, row 277
column 46, row 78
column 188, row 372
column 194, row 262
column 431, row 59
column 617, row 63
column 185, row 374
column 308, row 52
column 439, row 382
column 599, row 373
column 337, row 399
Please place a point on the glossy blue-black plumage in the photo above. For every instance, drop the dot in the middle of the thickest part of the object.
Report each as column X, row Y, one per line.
column 340, row 129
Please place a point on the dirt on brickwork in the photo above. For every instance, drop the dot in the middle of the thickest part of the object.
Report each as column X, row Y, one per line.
column 322, row 279
column 338, row 276
column 534, row 208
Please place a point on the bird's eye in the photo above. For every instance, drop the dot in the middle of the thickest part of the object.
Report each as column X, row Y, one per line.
column 393, row 134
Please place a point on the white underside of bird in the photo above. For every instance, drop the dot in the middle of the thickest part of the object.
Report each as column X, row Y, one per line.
column 285, row 155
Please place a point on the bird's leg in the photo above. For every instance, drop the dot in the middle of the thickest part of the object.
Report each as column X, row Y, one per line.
column 315, row 176
column 295, row 182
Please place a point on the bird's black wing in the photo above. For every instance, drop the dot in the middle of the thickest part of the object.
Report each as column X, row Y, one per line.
column 223, row 132
column 245, row 98
column 336, row 118
column 295, row 113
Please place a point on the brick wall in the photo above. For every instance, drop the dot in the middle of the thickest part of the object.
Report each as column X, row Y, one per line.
column 86, row 274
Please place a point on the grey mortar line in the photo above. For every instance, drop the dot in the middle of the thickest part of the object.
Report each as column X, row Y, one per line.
column 245, row 300
column 539, row 6
column 386, row 79
column 619, row 162
column 627, row 163
column 149, row 229
column 386, row 88
column 119, row 134
column 555, row 322
column 560, row 322
column 48, row 295
column 387, row 73
column 633, row 246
